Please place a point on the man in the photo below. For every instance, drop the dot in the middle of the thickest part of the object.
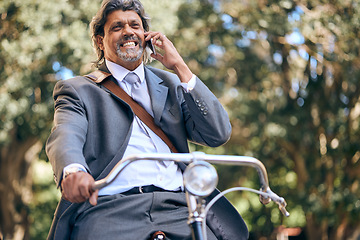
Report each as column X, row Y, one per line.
column 94, row 129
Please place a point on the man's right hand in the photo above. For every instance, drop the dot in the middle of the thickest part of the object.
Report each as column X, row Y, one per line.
column 77, row 188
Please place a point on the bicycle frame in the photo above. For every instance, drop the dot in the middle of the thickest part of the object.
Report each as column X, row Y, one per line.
column 196, row 205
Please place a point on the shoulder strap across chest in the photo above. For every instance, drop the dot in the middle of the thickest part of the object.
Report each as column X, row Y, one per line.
column 101, row 77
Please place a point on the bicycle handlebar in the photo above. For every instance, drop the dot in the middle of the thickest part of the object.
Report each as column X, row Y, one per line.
column 199, row 156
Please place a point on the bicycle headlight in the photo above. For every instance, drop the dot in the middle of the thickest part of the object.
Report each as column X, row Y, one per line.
column 200, row 178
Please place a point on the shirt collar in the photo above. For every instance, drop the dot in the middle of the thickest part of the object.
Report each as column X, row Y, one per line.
column 119, row 72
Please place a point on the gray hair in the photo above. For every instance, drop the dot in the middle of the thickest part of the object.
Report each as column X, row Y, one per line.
column 98, row 22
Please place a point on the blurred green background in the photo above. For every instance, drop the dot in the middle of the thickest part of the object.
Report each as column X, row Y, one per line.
column 286, row 71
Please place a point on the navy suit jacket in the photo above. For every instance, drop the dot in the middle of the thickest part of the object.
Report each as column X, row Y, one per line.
column 87, row 115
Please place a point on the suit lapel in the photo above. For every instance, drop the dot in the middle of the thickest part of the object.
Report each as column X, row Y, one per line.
column 158, row 94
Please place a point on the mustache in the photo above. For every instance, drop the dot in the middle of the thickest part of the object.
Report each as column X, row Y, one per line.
column 129, row 38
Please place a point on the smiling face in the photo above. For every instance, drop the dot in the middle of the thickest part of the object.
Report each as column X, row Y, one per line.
column 123, row 41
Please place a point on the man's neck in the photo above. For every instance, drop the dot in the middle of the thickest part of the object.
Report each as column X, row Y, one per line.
column 131, row 66
column 119, row 72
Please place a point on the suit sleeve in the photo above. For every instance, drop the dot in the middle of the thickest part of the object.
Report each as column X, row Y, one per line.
column 66, row 141
column 207, row 122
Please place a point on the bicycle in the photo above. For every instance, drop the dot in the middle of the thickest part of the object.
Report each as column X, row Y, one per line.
column 200, row 180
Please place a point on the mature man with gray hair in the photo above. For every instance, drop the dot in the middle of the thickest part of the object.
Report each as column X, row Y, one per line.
column 94, row 129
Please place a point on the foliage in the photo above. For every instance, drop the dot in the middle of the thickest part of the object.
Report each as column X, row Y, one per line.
column 45, row 198
column 34, row 35
column 38, row 38
column 287, row 71
column 40, row 43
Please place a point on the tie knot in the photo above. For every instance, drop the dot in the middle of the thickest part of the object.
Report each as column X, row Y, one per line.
column 131, row 78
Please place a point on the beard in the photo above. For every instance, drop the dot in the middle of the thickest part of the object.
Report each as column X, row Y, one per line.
column 130, row 55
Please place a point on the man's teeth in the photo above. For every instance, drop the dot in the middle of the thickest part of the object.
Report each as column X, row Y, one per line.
column 128, row 44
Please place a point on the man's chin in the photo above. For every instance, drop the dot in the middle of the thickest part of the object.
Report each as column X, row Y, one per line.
column 130, row 56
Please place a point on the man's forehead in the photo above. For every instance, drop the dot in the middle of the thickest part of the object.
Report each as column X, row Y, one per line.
column 123, row 16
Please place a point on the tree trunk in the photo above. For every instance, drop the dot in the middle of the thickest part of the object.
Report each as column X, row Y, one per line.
column 15, row 185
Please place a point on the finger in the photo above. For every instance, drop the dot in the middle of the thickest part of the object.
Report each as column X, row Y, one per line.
column 65, row 189
column 75, row 187
column 163, row 37
column 158, row 37
column 93, row 198
column 159, row 44
column 77, row 195
column 158, row 56
column 149, row 35
column 84, row 192
column 79, row 199
column 85, row 188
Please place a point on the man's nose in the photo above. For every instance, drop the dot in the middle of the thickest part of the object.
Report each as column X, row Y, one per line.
column 127, row 30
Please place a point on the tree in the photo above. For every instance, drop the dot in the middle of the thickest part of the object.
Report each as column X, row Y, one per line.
column 41, row 42
column 287, row 72
column 38, row 38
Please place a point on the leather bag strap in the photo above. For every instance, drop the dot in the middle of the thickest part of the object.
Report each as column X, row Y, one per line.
column 102, row 78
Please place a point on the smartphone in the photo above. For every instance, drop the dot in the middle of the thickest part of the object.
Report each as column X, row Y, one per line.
column 151, row 46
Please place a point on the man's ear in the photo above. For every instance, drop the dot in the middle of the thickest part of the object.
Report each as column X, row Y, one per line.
column 99, row 41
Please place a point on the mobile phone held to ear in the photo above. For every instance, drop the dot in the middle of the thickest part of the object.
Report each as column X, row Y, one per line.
column 151, row 46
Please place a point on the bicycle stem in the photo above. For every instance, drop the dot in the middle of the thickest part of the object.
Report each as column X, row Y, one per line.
column 196, row 207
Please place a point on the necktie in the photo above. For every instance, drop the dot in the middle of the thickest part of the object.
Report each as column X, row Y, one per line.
column 139, row 92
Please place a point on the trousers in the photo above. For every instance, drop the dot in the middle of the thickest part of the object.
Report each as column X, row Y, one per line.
column 136, row 216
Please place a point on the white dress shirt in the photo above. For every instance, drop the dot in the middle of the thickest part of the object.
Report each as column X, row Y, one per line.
column 166, row 175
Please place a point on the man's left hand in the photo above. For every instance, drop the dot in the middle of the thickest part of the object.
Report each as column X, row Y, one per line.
column 169, row 56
